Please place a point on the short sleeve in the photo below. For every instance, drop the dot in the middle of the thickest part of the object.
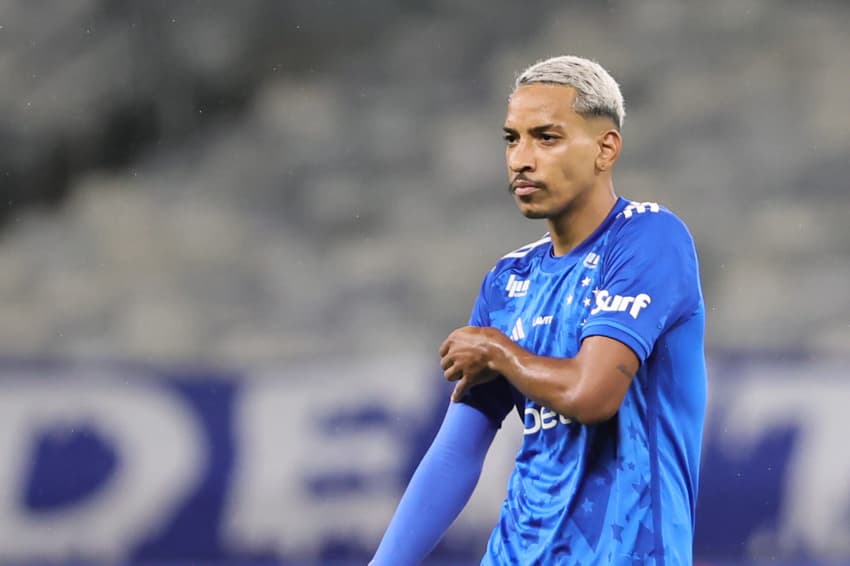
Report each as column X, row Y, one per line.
column 496, row 398
column 480, row 315
column 649, row 281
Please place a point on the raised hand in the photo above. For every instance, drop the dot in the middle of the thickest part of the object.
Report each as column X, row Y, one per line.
column 467, row 355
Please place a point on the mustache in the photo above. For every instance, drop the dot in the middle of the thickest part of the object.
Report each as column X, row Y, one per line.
column 525, row 181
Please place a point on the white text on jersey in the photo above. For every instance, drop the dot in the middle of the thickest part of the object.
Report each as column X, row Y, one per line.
column 517, row 287
column 542, row 320
column 640, row 208
column 606, row 303
column 542, row 419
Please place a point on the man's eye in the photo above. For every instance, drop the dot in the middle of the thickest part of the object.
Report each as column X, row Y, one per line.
column 548, row 137
column 509, row 138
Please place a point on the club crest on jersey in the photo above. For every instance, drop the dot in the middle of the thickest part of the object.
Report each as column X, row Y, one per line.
column 591, row 260
column 517, row 287
column 605, row 302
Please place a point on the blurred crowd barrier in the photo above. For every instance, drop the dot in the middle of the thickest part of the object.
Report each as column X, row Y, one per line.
column 126, row 464
column 266, row 180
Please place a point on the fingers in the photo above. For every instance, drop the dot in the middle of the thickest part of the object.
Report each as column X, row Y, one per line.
column 461, row 387
column 450, row 351
column 450, row 339
column 452, row 372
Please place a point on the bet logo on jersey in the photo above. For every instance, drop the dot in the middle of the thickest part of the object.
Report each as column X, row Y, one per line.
column 542, row 419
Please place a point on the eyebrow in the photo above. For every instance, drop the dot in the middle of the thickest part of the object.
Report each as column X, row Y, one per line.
column 536, row 130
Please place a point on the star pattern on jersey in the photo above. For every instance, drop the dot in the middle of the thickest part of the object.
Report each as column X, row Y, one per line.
column 586, row 281
column 644, row 548
column 587, row 505
column 570, row 299
column 617, row 532
column 624, row 466
column 642, row 489
column 586, row 302
column 633, row 431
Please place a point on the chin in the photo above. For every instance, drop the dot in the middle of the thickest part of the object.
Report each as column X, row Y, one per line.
column 532, row 212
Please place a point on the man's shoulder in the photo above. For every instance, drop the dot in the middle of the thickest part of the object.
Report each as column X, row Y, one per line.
column 650, row 219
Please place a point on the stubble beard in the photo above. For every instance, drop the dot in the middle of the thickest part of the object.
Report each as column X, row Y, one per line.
column 534, row 214
column 529, row 213
column 548, row 213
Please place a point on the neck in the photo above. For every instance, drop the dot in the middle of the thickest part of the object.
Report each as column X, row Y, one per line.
column 573, row 226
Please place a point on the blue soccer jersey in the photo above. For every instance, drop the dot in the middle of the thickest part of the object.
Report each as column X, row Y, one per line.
column 623, row 491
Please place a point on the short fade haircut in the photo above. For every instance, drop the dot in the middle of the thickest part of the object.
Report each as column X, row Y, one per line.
column 597, row 93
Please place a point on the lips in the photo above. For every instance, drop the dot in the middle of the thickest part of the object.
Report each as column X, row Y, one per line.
column 523, row 188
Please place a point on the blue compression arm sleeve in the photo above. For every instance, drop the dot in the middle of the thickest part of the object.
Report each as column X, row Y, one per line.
column 440, row 488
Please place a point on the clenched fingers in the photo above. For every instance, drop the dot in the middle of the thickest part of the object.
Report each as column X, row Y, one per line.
column 461, row 387
column 452, row 372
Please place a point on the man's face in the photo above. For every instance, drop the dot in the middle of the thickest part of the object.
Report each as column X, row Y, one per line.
column 551, row 151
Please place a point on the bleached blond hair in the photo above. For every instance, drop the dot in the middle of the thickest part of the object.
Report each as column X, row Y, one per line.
column 597, row 93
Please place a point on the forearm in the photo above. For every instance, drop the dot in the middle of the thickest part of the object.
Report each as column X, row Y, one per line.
column 587, row 388
column 550, row 382
column 439, row 489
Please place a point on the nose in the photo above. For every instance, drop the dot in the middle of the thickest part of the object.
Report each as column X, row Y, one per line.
column 520, row 157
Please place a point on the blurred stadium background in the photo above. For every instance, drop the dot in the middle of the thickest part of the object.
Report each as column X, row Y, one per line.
column 235, row 233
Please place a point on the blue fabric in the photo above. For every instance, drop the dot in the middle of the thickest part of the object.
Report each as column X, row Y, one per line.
column 440, row 487
column 622, row 491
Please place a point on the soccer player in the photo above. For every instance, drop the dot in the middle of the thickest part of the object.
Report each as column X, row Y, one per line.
column 594, row 334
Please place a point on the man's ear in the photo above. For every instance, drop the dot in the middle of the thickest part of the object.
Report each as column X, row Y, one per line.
column 610, row 142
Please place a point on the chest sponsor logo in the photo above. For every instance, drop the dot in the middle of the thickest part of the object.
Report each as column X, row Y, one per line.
column 605, row 302
column 541, row 320
column 543, row 418
column 517, row 287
